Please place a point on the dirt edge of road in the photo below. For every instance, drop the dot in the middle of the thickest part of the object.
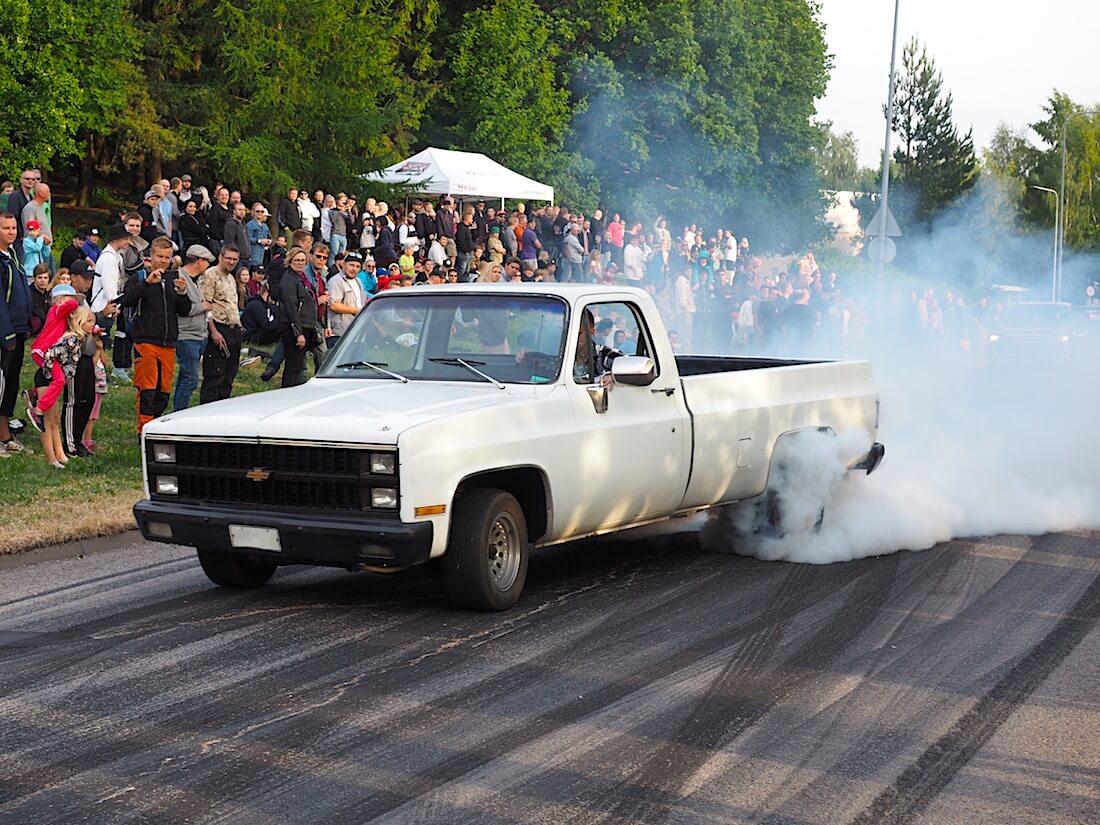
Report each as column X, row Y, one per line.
column 70, row 549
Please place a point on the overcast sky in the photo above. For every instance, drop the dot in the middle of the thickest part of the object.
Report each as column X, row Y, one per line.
column 1001, row 60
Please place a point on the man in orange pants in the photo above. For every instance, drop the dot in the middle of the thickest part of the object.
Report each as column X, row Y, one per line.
column 155, row 303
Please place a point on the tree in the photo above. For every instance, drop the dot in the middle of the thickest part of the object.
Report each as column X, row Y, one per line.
column 935, row 165
column 1082, row 197
column 838, row 162
column 513, row 107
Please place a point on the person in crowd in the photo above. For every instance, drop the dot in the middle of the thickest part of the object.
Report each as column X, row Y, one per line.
column 62, row 300
column 311, row 214
column 193, row 329
column 122, row 259
column 186, row 193
column 259, row 320
column 40, row 298
column 74, row 251
column 192, row 225
column 15, row 325
column 37, row 211
column 152, row 219
column 684, row 306
column 218, row 216
column 464, row 240
column 35, row 250
column 90, row 247
column 346, row 296
column 340, row 218
column 222, row 356
column 406, row 264
column 530, row 244
column 61, row 363
column 384, row 250
column 158, row 301
column 634, row 262
column 259, row 236
column 287, row 215
column 234, row 233
column 299, row 308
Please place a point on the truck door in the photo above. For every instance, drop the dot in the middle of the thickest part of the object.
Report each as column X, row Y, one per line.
column 632, row 460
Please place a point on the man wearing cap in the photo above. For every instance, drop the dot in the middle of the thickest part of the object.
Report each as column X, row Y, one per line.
column 193, row 329
column 15, row 325
column 74, row 251
column 222, row 355
column 90, row 247
column 110, row 268
column 259, row 236
column 152, row 219
column 158, row 300
column 186, row 193
column 346, row 296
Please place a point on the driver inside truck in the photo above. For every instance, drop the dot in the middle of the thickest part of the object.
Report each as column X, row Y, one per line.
column 592, row 363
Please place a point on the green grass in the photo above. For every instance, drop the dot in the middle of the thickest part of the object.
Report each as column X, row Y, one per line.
column 92, row 496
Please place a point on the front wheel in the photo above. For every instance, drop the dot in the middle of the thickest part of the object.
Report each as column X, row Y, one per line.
column 231, row 570
column 485, row 566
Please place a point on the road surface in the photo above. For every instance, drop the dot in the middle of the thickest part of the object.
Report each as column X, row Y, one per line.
column 637, row 682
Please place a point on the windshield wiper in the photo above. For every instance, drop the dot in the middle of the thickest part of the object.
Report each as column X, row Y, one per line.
column 373, row 365
column 470, row 365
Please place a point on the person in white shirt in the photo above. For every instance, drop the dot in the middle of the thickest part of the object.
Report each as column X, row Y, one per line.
column 308, row 210
column 634, row 261
column 730, row 251
column 346, row 296
column 436, row 253
column 110, row 269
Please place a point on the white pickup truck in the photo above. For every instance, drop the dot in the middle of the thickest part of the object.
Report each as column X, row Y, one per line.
column 471, row 423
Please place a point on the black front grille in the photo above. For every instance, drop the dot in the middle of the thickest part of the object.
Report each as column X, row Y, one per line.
column 272, row 476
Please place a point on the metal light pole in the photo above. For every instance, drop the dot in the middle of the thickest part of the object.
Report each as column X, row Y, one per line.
column 885, row 206
column 1057, row 231
column 1062, row 196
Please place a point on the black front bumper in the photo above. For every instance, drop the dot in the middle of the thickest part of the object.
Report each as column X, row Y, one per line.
column 333, row 541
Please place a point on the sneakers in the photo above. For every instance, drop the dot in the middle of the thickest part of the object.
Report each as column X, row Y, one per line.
column 13, row 447
column 89, row 445
column 36, row 418
column 57, row 464
column 250, row 360
column 121, row 375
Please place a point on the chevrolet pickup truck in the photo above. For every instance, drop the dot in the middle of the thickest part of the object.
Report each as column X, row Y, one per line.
column 474, row 423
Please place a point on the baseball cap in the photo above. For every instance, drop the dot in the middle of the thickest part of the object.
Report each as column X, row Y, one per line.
column 63, row 289
column 117, row 231
column 196, row 251
column 78, row 268
column 185, row 177
column 150, row 194
column 93, row 232
column 353, row 256
column 32, row 225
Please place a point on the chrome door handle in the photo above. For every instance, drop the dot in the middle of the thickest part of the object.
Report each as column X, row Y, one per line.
column 666, row 390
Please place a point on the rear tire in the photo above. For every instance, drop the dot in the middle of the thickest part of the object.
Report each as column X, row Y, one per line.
column 231, row 570
column 485, row 566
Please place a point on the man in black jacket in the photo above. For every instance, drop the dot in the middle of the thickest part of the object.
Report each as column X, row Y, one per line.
column 235, row 233
column 216, row 219
column 158, row 300
column 288, row 216
column 15, row 324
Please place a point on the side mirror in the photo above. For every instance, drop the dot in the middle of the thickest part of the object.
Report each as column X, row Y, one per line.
column 634, row 370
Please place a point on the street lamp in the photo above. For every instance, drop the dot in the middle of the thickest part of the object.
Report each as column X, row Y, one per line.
column 1062, row 196
column 885, row 208
column 1057, row 223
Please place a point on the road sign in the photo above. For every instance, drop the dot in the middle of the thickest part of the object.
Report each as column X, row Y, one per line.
column 882, row 250
column 881, row 225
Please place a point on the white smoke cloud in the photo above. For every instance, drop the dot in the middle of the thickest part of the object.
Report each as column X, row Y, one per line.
column 969, row 453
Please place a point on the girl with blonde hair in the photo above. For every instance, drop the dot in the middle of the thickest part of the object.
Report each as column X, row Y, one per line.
column 60, row 365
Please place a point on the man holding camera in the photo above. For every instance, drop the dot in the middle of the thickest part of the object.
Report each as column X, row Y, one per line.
column 158, row 301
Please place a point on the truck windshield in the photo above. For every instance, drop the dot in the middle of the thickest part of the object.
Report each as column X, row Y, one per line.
column 513, row 339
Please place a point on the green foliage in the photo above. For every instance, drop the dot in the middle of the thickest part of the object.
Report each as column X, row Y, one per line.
column 1044, row 168
column 935, row 165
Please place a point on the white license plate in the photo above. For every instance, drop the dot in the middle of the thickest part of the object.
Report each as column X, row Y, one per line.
column 255, row 538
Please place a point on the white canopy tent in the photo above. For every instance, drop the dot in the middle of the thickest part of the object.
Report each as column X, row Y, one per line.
column 466, row 175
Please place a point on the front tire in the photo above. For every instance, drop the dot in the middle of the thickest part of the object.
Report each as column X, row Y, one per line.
column 231, row 570
column 485, row 566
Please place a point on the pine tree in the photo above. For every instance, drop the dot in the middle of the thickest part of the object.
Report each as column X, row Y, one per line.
column 935, row 164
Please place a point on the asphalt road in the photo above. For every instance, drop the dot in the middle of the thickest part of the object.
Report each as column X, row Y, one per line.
column 642, row 681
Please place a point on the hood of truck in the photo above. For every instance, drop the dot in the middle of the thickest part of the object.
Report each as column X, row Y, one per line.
column 350, row 411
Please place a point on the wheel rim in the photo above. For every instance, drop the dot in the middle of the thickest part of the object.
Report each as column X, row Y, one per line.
column 504, row 551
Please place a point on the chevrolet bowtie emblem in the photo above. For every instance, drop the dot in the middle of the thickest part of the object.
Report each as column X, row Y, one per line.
column 258, row 474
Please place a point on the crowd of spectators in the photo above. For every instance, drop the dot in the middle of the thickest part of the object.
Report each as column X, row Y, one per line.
column 196, row 282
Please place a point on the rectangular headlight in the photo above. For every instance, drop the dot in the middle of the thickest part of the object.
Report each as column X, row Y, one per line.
column 168, row 486
column 383, row 498
column 383, row 463
column 164, row 453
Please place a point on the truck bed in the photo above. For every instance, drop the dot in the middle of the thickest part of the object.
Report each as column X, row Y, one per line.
column 710, row 364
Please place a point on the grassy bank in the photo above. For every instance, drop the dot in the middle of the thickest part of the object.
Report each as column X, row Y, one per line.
column 92, row 496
